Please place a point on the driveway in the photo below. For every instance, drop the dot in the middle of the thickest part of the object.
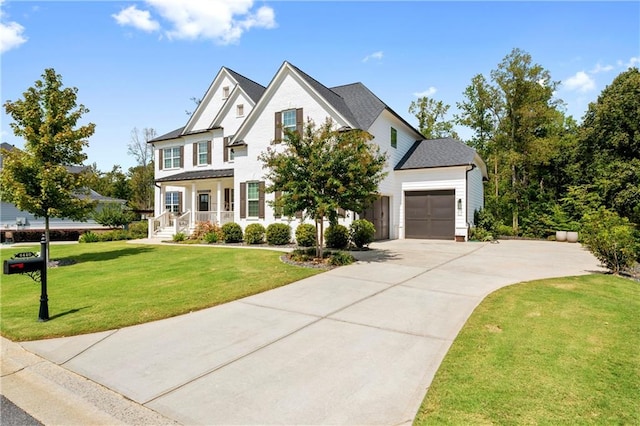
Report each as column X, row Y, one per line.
column 356, row 345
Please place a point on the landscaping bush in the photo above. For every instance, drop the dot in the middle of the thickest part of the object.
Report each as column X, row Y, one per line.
column 179, row 237
column 504, row 230
column 306, row 235
column 115, row 235
column 485, row 220
column 231, row 232
column 341, row 258
column 113, row 215
column 139, row 229
column 278, row 234
column 211, row 237
column 254, row 234
column 336, row 236
column 362, row 232
column 612, row 239
column 204, row 228
column 89, row 237
column 34, row 235
column 480, row 234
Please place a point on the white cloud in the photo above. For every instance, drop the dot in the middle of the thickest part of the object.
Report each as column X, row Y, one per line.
column 140, row 19
column 376, row 55
column 580, row 82
column 11, row 33
column 223, row 21
column 633, row 62
column 429, row 92
column 601, row 68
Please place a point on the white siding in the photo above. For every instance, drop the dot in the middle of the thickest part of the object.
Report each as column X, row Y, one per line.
column 476, row 193
column 211, row 104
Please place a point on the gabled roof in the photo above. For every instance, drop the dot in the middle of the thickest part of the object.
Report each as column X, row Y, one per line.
column 171, row 135
column 444, row 152
column 251, row 88
column 198, row 174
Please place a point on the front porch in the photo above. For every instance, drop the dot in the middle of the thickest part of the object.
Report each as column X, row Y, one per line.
column 182, row 204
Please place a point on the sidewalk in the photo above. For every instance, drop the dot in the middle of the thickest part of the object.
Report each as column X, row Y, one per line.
column 355, row 345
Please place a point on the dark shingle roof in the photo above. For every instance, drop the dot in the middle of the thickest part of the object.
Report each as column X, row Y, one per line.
column 171, row 135
column 329, row 95
column 437, row 153
column 253, row 89
column 198, row 174
column 364, row 105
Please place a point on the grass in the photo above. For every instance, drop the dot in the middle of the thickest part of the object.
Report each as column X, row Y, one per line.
column 552, row 352
column 115, row 284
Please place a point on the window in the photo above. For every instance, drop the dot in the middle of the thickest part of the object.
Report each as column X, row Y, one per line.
column 172, row 202
column 288, row 120
column 394, row 138
column 203, row 153
column 225, row 92
column 240, row 110
column 253, row 199
column 171, row 158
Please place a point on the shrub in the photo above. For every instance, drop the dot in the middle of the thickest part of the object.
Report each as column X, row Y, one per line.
column 211, row 237
column 362, row 232
column 113, row 215
column 254, row 234
column 336, row 236
column 306, row 235
column 505, row 230
column 115, row 235
column 139, row 229
column 612, row 239
column 480, row 234
column 278, row 234
column 341, row 258
column 89, row 237
column 484, row 219
column 231, row 232
column 179, row 237
column 203, row 228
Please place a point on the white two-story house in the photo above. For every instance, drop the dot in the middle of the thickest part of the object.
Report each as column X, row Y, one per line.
column 209, row 170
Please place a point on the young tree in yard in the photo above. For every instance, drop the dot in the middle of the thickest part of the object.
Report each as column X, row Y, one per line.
column 322, row 170
column 431, row 118
column 39, row 179
column 142, row 175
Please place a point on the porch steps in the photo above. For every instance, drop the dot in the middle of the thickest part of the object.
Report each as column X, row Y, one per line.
column 164, row 234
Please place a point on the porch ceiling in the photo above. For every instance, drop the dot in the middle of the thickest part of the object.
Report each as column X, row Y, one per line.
column 198, row 174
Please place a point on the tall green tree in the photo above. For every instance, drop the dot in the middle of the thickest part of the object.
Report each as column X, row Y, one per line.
column 431, row 115
column 608, row 151
column 323, row 170
column 141, row 176
column 41, row 179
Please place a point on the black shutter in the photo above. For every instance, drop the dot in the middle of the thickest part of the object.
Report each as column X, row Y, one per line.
column 208, row 152
column 227, row 199
column 181, row 156
column 179, row 202
column 195, row 154
column 299, row 121
column 160, row 160
column 243, row 200
column 277, row 210
column 261, row 200
column 225, row 150
column 278, row 136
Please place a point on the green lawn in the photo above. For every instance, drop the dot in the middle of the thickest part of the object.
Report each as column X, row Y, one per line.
column 116, row 284
column 553, row 352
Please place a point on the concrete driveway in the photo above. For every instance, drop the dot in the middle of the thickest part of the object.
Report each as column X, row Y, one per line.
column 358, row 345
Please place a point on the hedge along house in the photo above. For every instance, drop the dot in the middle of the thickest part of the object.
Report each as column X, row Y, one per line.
column 209, row 170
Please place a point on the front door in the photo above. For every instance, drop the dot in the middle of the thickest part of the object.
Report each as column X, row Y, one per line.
column 203, row 202
column 378, row 214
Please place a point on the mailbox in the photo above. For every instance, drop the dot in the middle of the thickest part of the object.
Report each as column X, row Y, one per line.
column 21, row 265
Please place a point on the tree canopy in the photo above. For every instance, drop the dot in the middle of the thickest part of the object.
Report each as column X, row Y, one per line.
column 41, row 179
column 431, row 115
column 322, row 170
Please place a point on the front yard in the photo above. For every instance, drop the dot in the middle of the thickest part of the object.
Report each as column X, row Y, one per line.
column 114, row 284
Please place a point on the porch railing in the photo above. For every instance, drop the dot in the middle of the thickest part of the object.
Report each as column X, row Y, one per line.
column 213, row 217
column 158, row 223
column 181, row 223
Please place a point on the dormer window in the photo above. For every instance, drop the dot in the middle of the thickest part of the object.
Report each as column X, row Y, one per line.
column 240, row 110
column 225, row 92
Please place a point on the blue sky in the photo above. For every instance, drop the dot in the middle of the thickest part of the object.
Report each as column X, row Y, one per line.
column 138, row 63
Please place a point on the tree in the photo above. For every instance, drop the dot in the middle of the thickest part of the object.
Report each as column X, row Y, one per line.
column 323, row 170
column 431, row 118
column 608, row 151
column 114, row 184
column 142, row 175
column 41, row 179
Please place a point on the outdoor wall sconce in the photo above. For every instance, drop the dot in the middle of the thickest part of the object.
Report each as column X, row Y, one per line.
column 459, row 206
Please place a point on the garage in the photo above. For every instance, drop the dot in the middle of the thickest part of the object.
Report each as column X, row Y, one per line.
column 430, row 214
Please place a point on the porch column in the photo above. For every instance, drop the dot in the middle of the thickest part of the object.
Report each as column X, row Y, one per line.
column 219, row 202
column 193, row 203
column 161, row 205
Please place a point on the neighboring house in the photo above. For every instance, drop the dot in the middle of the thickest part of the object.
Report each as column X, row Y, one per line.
column 209, row 170
column 11, row 218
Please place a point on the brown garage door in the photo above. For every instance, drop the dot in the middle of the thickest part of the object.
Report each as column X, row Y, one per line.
column 430, row 214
